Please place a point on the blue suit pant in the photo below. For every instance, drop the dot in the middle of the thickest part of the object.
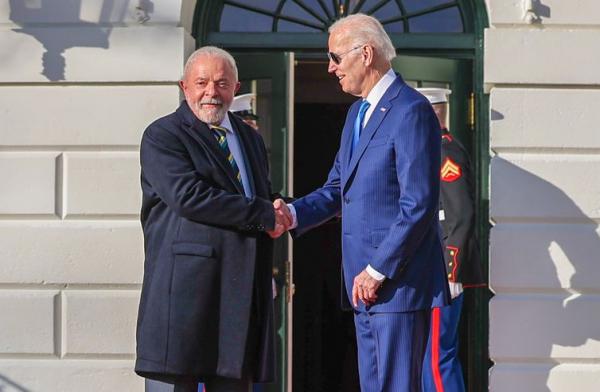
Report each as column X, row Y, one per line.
column 390, row 350
column 441, row 368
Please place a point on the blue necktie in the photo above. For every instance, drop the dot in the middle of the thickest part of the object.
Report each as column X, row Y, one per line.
column 364, row 106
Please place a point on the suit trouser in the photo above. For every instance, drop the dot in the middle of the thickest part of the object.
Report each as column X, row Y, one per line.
column 441, row 368
column 390, row 350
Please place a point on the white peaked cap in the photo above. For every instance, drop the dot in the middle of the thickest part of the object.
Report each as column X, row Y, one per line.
column 435, row 94
column 242, row 103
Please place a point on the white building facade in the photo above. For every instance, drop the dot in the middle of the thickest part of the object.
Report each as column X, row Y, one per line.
column 81, row 79
column 544, row 200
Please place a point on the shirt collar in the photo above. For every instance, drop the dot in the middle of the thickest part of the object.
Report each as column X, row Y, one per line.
column 381, row 87
column 226, row 123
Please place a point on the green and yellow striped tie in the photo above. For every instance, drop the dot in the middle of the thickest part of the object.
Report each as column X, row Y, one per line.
column 220, row 135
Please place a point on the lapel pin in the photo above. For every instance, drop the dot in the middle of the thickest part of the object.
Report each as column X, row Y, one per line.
column 383, row 109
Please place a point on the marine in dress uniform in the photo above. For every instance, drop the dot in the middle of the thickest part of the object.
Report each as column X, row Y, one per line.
column 441, row 369
column 242, row 107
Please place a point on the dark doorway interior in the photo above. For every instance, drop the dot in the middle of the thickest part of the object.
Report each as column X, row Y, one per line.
column 324, row 355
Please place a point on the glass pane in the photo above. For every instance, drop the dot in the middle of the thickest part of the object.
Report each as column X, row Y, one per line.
column 269, row 5
column 367, row 6
column 286, row 26
column 317, row 9
column 388, row 11
column 396, row 27
column 419, row 5
column 293, row 10
column 444, row 21
column 235, row 19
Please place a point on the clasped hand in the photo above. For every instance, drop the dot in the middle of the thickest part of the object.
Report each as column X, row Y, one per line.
column 283, row 219
column 365, row 288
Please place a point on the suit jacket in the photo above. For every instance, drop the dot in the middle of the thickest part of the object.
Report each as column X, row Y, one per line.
column 205, row 250
column 387, row 192
column 457, row 214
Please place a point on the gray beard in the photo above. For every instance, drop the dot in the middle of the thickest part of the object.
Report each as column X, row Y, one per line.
column 214, row 117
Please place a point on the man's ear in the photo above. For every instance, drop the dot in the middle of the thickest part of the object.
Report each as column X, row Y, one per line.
column 367, row 54
column 237, row 87
column 182, row 85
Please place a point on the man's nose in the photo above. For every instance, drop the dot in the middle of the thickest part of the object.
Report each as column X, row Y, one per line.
column 331, row 67
column 210, row 90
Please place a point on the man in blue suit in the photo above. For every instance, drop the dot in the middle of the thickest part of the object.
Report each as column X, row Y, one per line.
column 385, row 183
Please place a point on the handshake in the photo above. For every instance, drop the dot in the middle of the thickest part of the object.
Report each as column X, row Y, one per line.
column 283, row 219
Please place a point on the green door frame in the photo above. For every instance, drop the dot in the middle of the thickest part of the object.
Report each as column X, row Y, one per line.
column 275, row 67
column 467, row 45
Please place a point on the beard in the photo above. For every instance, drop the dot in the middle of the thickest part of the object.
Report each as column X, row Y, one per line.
column 212, row 116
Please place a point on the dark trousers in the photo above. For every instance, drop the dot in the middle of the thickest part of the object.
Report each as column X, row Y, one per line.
column 217, row 384
column 441, row 367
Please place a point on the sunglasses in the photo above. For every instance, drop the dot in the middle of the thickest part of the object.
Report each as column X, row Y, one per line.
column 337, row 58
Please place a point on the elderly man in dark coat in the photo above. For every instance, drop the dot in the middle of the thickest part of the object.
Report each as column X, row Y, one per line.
column 206, row 311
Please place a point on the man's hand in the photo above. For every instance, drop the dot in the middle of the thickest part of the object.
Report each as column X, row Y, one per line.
column 365, row 288
column 283, row 219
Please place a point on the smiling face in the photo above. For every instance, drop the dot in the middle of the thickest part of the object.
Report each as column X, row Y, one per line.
column 351, row 71
column 209, row 86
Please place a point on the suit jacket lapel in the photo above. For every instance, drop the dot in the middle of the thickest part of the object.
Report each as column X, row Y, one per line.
column 347, row 133
column 379, row 113
column 203, row 135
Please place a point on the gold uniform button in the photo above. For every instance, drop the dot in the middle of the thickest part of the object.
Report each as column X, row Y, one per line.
column 450, row 264
column 451, row 253
column 449, row 275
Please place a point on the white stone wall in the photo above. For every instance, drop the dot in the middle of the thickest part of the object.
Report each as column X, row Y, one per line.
column 545, row 195
column 79, row 82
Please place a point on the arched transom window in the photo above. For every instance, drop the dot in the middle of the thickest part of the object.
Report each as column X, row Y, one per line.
column 305, row 16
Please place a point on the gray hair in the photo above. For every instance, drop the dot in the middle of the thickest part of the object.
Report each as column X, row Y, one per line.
column 363, row 28
column 211, row 51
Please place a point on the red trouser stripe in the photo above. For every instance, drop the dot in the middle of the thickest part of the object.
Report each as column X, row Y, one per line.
column 435, row 349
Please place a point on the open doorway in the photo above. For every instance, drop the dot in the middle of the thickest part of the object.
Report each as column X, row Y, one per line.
column 324, row 355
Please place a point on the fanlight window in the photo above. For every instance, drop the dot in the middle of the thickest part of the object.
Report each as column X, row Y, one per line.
column 305, row 16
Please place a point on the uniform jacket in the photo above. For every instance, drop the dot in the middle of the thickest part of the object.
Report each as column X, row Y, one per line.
column 457, row 214
column 387, row 193
column 203, row 241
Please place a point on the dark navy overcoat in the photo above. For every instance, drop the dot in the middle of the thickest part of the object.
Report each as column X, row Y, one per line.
column 205, row 248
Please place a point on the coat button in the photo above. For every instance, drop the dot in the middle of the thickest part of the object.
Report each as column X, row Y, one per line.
column 449, row 276
column 450, row 264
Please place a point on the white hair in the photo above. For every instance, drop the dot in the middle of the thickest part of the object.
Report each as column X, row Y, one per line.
column 364, row 29
column 211, row 51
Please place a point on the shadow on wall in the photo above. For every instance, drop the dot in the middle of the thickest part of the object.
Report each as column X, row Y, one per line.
column 70, row 25
column 6, row 385
column 560, row 261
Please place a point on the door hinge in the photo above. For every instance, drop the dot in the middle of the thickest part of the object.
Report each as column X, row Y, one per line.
column 289, row 285
column 472, row 111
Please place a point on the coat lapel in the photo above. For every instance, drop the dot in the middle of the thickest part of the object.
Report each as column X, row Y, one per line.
column 347, row 132
column 379, row 113
column 203, row 135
